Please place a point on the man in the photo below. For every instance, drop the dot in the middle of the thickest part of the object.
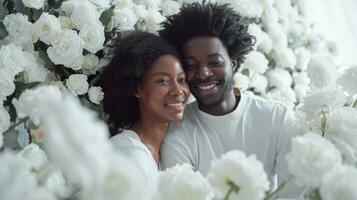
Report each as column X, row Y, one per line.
column 213, row 42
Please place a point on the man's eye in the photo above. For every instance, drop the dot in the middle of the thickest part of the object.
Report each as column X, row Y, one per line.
column 216, row 64
column 163, row 81
column 190, row 66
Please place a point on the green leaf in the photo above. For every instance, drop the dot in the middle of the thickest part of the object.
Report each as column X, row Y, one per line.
column 3, row 32
column 106, row 16
column 48, row 63
column 36, row 14
column 21, row 86
column 245, row 72
column 23, row 137
column 3, row 10
column 19, row 6
column 55, row 3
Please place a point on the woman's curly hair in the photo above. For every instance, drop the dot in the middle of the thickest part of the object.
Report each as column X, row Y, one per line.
column 209, row 19
column 133, row 55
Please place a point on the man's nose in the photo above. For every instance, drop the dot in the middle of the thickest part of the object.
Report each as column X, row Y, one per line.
column 202, row 72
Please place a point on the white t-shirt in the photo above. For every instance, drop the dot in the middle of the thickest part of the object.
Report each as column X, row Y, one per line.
column 257, row 126
column 129, row 144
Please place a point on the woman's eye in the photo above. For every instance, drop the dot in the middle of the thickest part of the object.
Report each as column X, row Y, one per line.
column 163, row 81
column 182, row 80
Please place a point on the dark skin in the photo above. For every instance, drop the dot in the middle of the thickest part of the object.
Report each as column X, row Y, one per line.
column 209, row 73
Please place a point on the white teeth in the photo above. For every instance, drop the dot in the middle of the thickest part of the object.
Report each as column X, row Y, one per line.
column 206, row 87
column 174, row 104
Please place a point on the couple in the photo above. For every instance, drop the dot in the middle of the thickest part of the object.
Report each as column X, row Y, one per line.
column 146, row 88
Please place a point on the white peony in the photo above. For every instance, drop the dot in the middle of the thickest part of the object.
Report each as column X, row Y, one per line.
column 278, row 36
column 279, row 78
column 77, row 84
column 16, row 180
column 101, row 4
column 342, row 131
column 65, row 22
column 270, row 16
column 311, row 158
column 323, row 100
column 348, row 80
column 47, row 27
column 284, row 57
column 182, row 183
column 4, row 122
column 7, row 86
column 123, row 19
column 250, row 9
column 56, row 183
column 66, row 48
column 256, row 62
column 259, row 83
column 322, row 72
column 170, row 7
column 303, row 57
column 300, row 91
column 34, row 156
column 284, row 8
column 301, row 78
column 245, row 172
column 123, row 3
column 12, row 59
column 151, row 21
column 35, row 70
column 95, row 94
column 18, row 27
column 37, row 4
column 241, row 81
column 285, row 95
column 340, row 184
column 90, row 64
column 84, row 12
column 93, row 36
column 30, row 102
column 149, row 4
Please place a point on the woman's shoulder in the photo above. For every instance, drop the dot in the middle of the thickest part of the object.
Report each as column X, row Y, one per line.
column 127, row 139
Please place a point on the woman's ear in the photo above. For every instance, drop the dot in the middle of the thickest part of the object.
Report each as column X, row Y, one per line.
column 137, row 92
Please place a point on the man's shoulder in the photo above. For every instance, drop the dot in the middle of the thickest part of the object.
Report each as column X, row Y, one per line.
column 265, row 105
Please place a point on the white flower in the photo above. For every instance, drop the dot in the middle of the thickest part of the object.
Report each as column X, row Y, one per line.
column 259, row 83
column 34, row 156
column 68, row 6
column 342, row 131
column 245, row 172
column 95, row 94
column 270, row 16
column 256, row 62
column 301, row 78
column 90, row 64
column 150, row 4
column 4, row 122
column 311, row 158
column 29, row 102
column 286, row 95
column 38, row 135
column 84, row 12
column 170, row 7
column 47, row 27
column 41, row 193
column 35, row 69
column 66, row 48
column 250, row 9
column 66, row 22
column 122, row 3
column 241, row 81
column 18, row 27
column 12, row 59
column 323, row 100
column 278, row 36
column 302, row 58
column 123, row 19
column 283, row 7
column 348, row 80
column 102, row 4
column 7, row 86
column 16, row 180
column 77, row 84
column 279, row 78
column 93, row 36
column 284, row 57
column 37, row 4
column 182, row 183
column 56, row 183
column 322, row 71
column 340, row 184
column 300, row 91
column 151, row 21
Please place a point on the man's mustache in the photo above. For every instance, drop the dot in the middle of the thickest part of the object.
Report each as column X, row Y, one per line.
column 205, row 81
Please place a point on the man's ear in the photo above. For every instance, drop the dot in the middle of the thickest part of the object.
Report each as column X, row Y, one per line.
column 234, row 64
column 137, row 92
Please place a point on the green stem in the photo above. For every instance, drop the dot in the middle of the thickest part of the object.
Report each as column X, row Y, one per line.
column 323, row 123
column 280, row 187
column 355, row 104
column 233, row 188
column 15, row 125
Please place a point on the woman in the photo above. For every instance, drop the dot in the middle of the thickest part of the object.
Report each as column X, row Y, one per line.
column 145, row 89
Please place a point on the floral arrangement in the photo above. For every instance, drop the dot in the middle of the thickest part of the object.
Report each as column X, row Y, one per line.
column 53, row 50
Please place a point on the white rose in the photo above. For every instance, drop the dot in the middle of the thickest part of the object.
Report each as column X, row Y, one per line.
column 301, row 78
column 12, row 59
column 311, row 158
column 250, row 9
column 279, row 78
column 7, row 86
column 286, row 95
column 18, row 27
column 83, row 13
column 77, row 84
column 35, row 70
column 151, row 21
column 341, row 130
column 270, row 16
column 68, row 6
column 300, row 91
column 322, row 72
column 259, row 83
column 4, row 122
column 284, row 8
column 47, row 27
column 123, row 3
column 278, row 36
column 240, row 170
column 17, row 182
column 149, row 4
column 34, row 156
column 348, row 80
column 65, row 22
column 37, row 4
column 181, row 182
column 56, row 183
column 241, row 81
column 256, row 62
column 66, row 48
column 93, row 36
column 170, row 7
column 95, row 94
column 340, row 184
column 90, row 64
column 101, row 4
column 123, row 19
column 284, row 57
